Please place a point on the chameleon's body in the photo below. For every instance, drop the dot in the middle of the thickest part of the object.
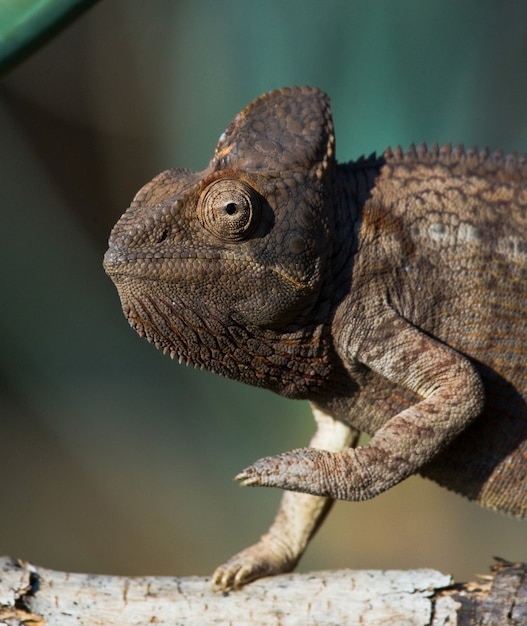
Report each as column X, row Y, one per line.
column 391, row 292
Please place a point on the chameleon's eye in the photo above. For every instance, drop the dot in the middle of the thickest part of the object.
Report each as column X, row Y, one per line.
column 229, row 209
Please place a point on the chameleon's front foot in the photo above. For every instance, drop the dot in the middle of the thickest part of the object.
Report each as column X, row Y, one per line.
column 352, row 474
column 303, row 470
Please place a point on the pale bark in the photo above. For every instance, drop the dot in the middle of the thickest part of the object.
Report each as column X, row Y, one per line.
column 31, row 595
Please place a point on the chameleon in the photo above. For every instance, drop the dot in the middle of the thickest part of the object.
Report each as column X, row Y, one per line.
column 390, row 292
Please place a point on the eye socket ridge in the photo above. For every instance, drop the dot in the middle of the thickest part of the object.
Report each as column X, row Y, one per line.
column 229, row 209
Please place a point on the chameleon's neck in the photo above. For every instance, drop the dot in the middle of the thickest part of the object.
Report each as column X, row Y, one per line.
column 351, row 187
column 354, row 183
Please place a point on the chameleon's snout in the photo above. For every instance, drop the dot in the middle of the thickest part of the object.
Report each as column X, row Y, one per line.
column 113, row 260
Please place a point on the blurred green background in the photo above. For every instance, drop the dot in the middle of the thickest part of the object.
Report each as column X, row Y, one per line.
column 114, row 458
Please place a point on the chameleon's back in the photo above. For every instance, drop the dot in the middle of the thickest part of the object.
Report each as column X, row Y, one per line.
column 459, row 272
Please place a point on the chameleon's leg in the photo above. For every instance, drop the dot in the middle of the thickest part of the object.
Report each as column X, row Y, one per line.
column 452, row 396
column 297, row 520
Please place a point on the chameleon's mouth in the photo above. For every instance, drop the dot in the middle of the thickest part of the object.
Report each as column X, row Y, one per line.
column 119, row 266
column 158, row 263
column 139, row 262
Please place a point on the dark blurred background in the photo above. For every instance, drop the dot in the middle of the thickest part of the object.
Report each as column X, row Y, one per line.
column 114, row 458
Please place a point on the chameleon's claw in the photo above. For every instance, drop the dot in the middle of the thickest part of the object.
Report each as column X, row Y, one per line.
column 257, row 474
column 247, row 479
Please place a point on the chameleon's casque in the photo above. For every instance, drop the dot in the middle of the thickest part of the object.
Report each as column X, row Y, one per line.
column 391, row 292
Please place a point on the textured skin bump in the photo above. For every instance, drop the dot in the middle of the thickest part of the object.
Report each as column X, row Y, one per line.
column 390, row 291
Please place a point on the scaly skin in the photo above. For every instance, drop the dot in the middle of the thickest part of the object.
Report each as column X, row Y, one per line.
column 391, row 292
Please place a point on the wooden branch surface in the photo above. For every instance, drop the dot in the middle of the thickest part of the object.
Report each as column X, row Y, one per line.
column 35, row 596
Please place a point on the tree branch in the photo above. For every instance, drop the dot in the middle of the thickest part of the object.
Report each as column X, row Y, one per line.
column 34, row 596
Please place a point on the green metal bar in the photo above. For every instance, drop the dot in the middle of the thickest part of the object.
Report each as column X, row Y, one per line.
column 27, row 24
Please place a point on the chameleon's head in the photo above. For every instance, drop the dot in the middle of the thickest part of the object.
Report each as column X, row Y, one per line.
column 241, row 244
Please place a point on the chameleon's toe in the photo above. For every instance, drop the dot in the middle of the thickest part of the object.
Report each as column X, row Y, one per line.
column 230, row 576
column 268, row 557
